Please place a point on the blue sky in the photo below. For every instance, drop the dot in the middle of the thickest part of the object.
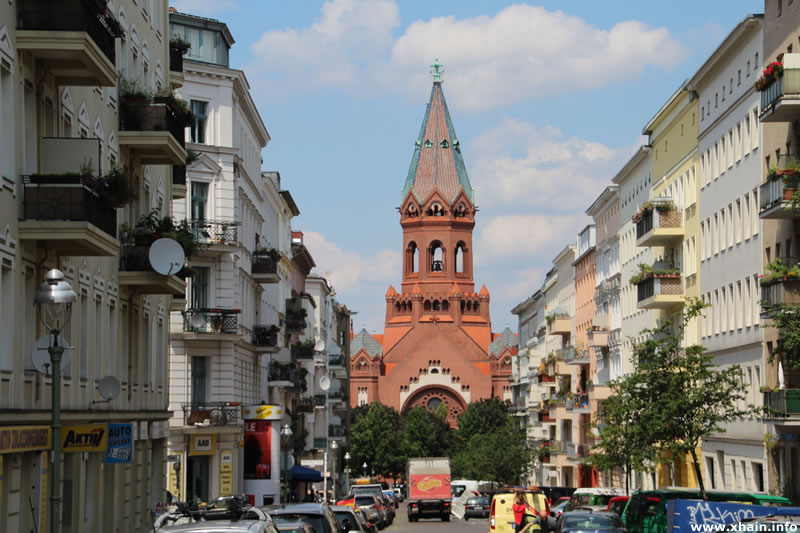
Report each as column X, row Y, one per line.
column 548, row 100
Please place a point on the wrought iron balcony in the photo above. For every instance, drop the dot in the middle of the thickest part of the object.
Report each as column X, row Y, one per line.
column 782, row 403
column 75, row 39
column 578, row 402
column 319, row 400
column 776, row 192
column 215, row 232
column 137, row 273
column 295, row 322
column 780, row 101
column 288, row 376
column 660, row 291
column 265, row 336
column 153, row 133
column 265, row 267
column 336, row 360
column 212, row 414
column 335, row 430
column 305, row 404
column 175, row 60
column 68, row 213
column 211, row 320
column 301, row 350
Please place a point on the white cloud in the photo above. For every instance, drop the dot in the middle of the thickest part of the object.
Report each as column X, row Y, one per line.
column 519, row 236
column 521, row 53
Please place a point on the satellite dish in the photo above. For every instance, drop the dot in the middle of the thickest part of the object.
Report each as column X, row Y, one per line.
column 319, row 346
column 41, row 357
column 166, row 256
column 325, row 383
column 198, row 321
column 108, row 387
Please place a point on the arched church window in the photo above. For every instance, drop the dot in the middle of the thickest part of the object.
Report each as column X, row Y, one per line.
column 444, row 144
column 413, row 256
column 427, row 305
column 463, row 306
column 445, row 305
column 461, row 210
column 428, row 143
column 437, row 257
column 469, row 306
column 412, row 211
column 475, row 307
column 434, row 403
column 460, row 257
column 434, row 370
column 398, row 307
column 436, row 305
column 436, row 210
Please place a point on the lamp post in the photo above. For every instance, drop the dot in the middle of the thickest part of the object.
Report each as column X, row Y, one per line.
column 347, row 471
column 364, row 466
column 55, row 296
column 334, row 447
column 286, row 437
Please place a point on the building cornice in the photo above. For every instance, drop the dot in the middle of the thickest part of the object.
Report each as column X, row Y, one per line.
column 632, row 164
column 725, row 50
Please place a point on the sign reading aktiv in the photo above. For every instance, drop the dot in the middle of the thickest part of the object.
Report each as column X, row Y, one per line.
column 85, row 438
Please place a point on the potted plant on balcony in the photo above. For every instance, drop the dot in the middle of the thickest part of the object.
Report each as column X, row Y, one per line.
column 133, row 93
column 648, row 272
column 115, row 187
column 771, row 73
column 152, row 226
column 178, row 105
column 178, row 44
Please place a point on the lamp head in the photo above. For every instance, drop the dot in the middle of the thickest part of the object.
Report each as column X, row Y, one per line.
column 56, row 296
column 286, row 431
column 334, row 445
column 347, row 456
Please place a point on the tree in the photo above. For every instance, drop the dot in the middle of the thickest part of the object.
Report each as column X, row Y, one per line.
column 482, row 417
column 675, row 397
column 375, row 439
column 419, row 434
column 501, row 456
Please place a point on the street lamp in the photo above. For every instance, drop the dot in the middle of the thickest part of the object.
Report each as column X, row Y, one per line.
column 334, row 447
column 286, row 437
column 364, row 466
column 347, row 470
column 55, row 296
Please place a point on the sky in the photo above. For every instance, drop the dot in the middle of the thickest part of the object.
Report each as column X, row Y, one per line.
column 548, row 100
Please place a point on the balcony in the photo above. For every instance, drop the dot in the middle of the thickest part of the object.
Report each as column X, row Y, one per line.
column 303, row 350
column 320, row 401
column 212, row 414
column 545, row 379
column 335, row 430
column 265, row 338
column 559, row 447
column 175, row 67
column 576, row 357
column 219, row 236
column 205, row 321
column 598, row 338
column 776, row 192
column 265, row 267
column 68, row 216
column 288, row 377
column 578, row 403
column 178, row 181
column 152, row 132
column 138, row 275
column 780, row 101
column 305, row 405
column 560, row 325
column 660, row 291
column 336, row 360
column 659, row 224
column 72, row 39
column 320, row 443
column 544, row 415
column 578, row 451
column 782, row 404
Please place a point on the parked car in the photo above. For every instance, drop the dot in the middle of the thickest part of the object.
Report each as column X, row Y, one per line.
column 399, row 493
column 591, row 522
column 235, row 515
column 595, row 498
column 392, row 497
column 388, row 508
column 222, row 526
column 554, row 494
column 501, row 516
column 617, row 505
column 348, row 518
column 317, row 515
column 476, row 507
column 294, row 527
column 369, row 505
column 556, row 510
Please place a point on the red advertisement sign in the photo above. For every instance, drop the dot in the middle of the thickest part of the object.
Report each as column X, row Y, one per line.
column 430, row 486
column 257, row 442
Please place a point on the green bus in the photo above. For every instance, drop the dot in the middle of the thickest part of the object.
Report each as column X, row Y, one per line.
column 646, row 511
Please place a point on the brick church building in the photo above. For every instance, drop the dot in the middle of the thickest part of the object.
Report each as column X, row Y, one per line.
column 437, row 345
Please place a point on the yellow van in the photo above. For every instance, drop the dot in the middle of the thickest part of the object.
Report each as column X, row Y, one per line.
column 501, row 516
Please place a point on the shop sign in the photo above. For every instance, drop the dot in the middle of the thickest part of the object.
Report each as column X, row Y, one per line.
column 85, row 438
column 263, row 412
column 257, row 449
column 120, row 443
column 24, row 439
column 226, row 473
column 202, row 445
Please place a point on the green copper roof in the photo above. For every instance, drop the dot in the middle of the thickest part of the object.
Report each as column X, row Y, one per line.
column 437, row 162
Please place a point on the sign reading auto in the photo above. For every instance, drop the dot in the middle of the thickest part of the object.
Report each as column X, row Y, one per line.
column 85, row 438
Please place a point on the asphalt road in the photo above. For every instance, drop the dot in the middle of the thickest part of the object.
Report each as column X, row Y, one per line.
column 402, row 525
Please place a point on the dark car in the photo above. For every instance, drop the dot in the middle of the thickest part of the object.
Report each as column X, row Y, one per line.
column 371, row 507
column 317, row 515
column 350, row 519
column 591, row 521
column 476, row 507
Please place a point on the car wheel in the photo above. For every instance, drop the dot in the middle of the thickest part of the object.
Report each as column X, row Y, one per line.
column 466, row 518
column 446, row 518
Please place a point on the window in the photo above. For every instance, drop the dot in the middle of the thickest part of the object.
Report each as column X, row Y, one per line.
column 199, row 375
column 730, row 87
column 756, row 66
column 84, row 336
column 198, row 128
column 748, row 304
column 754, row 210
column 747, row 72
column 199, row 200
column 723, row 93
column 29, row 125
column 7, row 315
column 730, row 226
column 6, row 117
column 199, row 288
column 414, row 257
column 436, row 257
column 739, row 77
column 702, row 112
column 746, row 219
column 99, row 355
column 739, row 296
column 738, row 220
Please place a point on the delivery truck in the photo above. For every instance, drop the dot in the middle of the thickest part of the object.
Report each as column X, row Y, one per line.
column 428, row 488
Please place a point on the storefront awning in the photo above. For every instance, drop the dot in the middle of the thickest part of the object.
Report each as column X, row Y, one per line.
column 302, row 473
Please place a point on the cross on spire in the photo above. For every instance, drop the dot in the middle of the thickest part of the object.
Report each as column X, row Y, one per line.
column 437, row 75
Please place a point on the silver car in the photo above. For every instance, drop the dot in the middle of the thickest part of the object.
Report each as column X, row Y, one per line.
column 222, row 526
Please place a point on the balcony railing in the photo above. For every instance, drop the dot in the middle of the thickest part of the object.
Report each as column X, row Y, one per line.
column 175, row 60
column 659, row 225
column 544, row 378
column 70, row 15
column 69, row 198
column 783, row 403
column 785, row 89
column 215, row 231
column 319, row 400
column 335, row 430
column 302, row 351
column 288, row 374
column 265, row 266
column 320, row 443
column 565, row 354
column 776, row 192
column 211, row 320
column 266, row 336
column 336, row 360
column 578, row 401
column 578, row 450
column 179, row 175
column 151, row 117
column 212, row 413
column 295, row 323
column 660, row 291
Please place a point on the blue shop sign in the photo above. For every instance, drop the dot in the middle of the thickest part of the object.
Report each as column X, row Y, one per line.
column 120, row 443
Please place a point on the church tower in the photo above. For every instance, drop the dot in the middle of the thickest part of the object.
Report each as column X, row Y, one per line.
column 437, row 347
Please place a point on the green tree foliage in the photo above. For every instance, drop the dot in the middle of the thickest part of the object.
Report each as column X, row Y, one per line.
column 419, row 434
column 375, row 436
column 675, row 396
column 481, row 418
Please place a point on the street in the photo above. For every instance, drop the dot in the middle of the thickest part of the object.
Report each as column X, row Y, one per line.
column 402, row 525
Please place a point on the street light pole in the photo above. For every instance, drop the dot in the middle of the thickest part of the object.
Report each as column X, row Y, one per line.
column 347, row 472
column 334, row 447
column 286, row 436
column 56, row 298
column 365, row 468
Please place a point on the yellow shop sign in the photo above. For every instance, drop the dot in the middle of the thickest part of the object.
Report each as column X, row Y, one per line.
column 85, row 438
column 24, row 439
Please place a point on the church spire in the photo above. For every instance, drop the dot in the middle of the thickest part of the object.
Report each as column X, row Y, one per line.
column 437, row 163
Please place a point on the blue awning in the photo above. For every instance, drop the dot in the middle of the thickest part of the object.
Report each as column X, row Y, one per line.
column 303, row 473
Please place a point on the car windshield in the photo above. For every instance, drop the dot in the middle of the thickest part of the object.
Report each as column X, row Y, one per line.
column 478, row 501
column 363, row 501
column 346, row 520
column 590, row 521
column 315, row 521
column 457, row 490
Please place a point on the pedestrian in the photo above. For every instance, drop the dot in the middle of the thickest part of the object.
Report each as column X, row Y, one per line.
column 519, row 507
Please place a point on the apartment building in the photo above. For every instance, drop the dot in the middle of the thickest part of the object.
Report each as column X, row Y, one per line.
column 604, row 336
column 730, row 245
column 778, row 115
column 79, row 159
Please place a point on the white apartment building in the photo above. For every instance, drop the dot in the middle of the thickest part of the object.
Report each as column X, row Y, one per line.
column 231, row 323
column 731, row 246
column 68, row 135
